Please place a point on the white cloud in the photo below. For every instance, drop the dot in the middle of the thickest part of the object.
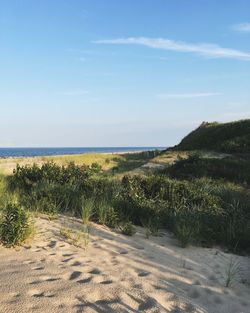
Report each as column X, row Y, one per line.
column 243, row 27
column 189, row 95
column 203, row 49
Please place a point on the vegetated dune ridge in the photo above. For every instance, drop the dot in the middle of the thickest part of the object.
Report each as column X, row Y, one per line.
column 116, row 273
column 233, row 137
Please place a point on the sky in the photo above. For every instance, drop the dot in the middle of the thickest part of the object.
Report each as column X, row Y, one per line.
column 120, row 73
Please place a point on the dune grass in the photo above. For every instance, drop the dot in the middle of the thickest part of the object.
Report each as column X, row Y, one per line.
column 111, row 164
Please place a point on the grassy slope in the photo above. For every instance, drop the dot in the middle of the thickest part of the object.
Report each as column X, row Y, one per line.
column 233, row 137
column 110, row 163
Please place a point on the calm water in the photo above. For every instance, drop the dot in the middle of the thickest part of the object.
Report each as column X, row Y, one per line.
column 25, row 152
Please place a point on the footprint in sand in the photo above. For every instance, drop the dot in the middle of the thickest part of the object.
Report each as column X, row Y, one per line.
column 217, row 300
column 95, row 271
column 212, row 277
column 67, row 260
column 138, row 247
column 35, row 293
column 35, row 282
column 85, row 280
column 52, row 244
column 123, row 252
column 68, row 254
column 106, row 282
column 208, row 291
column 143, row 274
column 76, row 263
column 37, row 250
column 189, row 308
column 75, row 275
column 49, row 278
column 40, row 294
column 145, row 303
column 29, row 262
column 196, row 282
column 194, row 293
column 38, row 268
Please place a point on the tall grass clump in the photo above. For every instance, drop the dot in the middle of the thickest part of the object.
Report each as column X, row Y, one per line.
column 88, row 207
column 15, row 225
column 127, row 229
column 106, row 214
column 232, row 272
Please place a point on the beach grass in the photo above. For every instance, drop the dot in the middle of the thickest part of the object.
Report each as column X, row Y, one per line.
column 111, row 163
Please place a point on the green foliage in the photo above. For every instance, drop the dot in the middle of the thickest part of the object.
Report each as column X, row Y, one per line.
column 183, row 232
column 230, row 169
column 15, row 225
column 27, row 177
column 202, row 211
column 88, row 207
column 231, row 137
column 232, row 272
column 106, row 214
column 128, row 229
column 234, row 221
column 3, row 191
column 152, row 226
column 95, row 167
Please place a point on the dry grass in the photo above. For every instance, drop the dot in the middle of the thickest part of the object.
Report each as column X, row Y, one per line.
column 107, row 161
column 169, row 157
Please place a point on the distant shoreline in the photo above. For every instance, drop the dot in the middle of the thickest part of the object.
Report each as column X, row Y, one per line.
column 16, row 153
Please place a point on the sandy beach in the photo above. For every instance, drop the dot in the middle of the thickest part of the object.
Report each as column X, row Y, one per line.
column 116, row 273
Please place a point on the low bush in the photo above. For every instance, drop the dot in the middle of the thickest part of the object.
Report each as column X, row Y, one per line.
column 203, row 211
column 88, row 207
column 106, row 214
column 15, row 225
column 128, row 229
column 230, row 169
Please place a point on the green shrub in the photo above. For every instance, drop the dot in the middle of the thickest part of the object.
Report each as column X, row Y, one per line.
column 88, row 207
column 184, row 232
column 152, row 226
column 128, row 229
column 106, row 214
column 95, row 167
column 230, row 169
column 15, row 225
column 232, row 272
column 26, row 177
column 226, row 137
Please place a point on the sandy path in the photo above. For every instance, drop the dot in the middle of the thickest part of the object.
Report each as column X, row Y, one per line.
column 117, row 274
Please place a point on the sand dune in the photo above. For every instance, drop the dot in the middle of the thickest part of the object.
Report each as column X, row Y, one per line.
column 117, row 274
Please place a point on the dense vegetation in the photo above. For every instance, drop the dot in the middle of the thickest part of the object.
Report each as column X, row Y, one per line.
column 203, row 200
column 231, row 137
column 201, row 211
column 15, row 225
column 231, row 169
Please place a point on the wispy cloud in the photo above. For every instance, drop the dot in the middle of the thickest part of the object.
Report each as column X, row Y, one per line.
column 189, row 95
column 243, row 27
column 203, row 49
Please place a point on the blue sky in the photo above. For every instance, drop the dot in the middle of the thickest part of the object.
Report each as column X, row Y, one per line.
column 120, row 73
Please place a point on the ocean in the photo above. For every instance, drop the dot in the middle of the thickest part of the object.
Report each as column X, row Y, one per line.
column 28, row 152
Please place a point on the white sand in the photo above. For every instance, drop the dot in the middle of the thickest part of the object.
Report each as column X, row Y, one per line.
column 117, row 274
